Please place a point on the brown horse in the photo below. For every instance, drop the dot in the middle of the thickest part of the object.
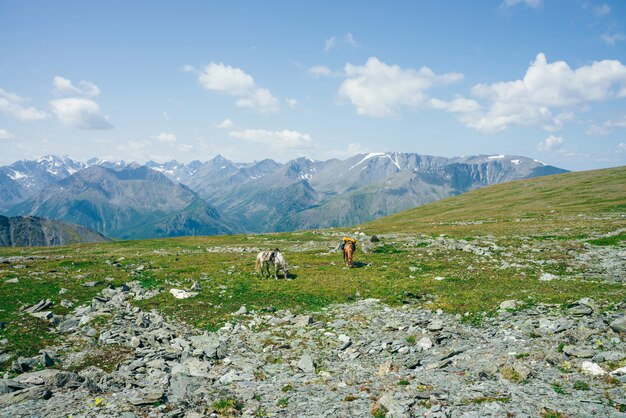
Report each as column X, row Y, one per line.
column 348, row 250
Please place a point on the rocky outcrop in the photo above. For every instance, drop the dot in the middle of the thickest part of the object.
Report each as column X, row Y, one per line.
column 349, row 360
column 31, row 231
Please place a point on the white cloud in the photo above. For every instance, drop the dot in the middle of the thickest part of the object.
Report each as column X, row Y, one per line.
column 260, row 100
column 612, row 38
column 65, row 86
column 292, row 103
column 276, row 140
column 621, row 147
column 348, row 39
column 225, row 124
column 165, row 137
column 378, row 89
column 602, row 10
column 551, row 143
column 319, row 71
column 13, row 104
column 545, row 96
column 80, row 113
column 535, row 4
column 330, row 43
column 166, row 116
column 607, row 127
column 458, row 105
column 4, row 134
column 351, row 41
column 235, row 82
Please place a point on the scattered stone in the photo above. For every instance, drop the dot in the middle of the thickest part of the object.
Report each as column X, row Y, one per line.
column 91, row 284
column 619, row 325
column 47, row 360
column 40, row 306
column 30, row 394
column 435, row 325
column 546, row 277
column 242, row 310
column 592, row 369
column 182, row 294
column 412, row 361
column 575, row 351
column 303, row 320
column 510, row 304
column 306, row 363
column 147, row 397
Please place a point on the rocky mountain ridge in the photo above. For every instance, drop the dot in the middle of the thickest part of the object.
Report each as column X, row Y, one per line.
column 126, row 203
column 32, row 231
column 265, row 196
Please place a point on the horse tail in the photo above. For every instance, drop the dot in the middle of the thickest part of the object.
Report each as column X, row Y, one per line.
column 257, row 266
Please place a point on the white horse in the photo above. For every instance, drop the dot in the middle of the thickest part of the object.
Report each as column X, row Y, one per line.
column 273, row 258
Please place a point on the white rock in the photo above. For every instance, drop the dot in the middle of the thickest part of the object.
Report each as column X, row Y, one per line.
column 591, row 368
column 546, row 277
column 439, row 278
column 425, row 342
column 182, row 294
column 619, row 372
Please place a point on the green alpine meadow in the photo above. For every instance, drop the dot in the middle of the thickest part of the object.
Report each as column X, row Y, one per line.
column 528, row 228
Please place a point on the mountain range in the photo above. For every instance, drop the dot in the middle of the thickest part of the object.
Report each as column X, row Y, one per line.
column 130, row 200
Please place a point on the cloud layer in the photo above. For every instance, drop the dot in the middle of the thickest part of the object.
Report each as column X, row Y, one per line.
column 14, row 105
column 65, row 86
column 276, row 140
column 80, row 113
column 381, row 90
column 4, row 134
column 235, row 82
column 547, row 96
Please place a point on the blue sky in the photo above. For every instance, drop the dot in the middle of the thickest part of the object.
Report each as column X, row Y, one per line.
column 249, row 80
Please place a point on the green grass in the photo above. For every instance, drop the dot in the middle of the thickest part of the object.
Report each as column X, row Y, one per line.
column 612, row 240
column 548, row 207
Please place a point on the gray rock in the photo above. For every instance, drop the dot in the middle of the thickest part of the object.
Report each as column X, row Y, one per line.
column 145, row 397
column 40, row 306
column 209, row 344
column 580, row 352
column 619, row 325
column 47, row 360
column 510, row 304
column 303, row 320
column 69, row 325
column 306, row 363
column 435, row 325
column 397, row 405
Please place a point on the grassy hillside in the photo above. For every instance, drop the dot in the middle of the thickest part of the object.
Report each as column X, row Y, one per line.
column 500, row 241
column 540, row 204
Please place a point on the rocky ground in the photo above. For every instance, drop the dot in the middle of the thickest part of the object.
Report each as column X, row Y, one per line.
column 358, row 359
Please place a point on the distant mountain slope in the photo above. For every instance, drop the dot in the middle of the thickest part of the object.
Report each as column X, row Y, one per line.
column 35, row 175
column 11, row 192
column 128, row 203
column 305, row 194
column 570, row 195
column 262, row 196
column 33, row 231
